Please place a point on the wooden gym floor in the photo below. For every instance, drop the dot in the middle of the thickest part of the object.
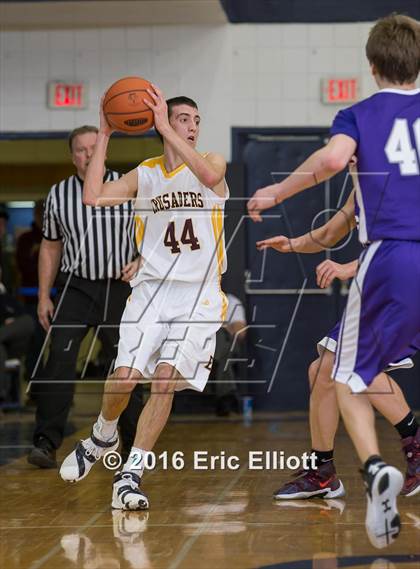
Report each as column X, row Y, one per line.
column 198, row 519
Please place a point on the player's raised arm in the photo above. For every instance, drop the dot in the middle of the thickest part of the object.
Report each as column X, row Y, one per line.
column 209, row 169
column 95, row 191
column 320, row 166
column 318, row 239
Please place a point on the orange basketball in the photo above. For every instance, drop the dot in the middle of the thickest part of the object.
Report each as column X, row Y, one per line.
column 124, row 107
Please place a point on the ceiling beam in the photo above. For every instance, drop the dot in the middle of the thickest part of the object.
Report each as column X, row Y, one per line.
column 109, row 13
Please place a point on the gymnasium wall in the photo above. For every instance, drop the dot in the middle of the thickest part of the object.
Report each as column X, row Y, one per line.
column 241, row 75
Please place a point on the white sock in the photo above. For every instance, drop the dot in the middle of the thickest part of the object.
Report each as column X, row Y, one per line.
column 135, row 461
column 105, row 430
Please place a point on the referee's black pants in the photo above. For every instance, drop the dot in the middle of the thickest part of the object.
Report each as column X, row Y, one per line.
column 79, row 305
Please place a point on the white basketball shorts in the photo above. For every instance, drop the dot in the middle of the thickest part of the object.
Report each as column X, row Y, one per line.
column 172, row 322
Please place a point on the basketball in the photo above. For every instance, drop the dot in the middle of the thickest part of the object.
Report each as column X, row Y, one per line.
column 124, row 107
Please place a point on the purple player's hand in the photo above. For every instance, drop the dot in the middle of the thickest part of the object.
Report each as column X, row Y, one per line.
column 264, row 198
column 328, row 270
column 280, row 243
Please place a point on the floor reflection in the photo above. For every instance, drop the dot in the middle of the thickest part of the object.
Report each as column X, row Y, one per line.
column 127, row 549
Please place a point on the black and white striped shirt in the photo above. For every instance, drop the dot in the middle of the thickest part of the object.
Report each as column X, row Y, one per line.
column 97, row 241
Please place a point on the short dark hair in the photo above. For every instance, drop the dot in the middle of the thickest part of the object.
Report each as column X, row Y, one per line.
column 393, row 48
column 174, row 102
column 80, row 130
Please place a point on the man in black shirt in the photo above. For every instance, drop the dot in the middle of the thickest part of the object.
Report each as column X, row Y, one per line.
column 89, row 253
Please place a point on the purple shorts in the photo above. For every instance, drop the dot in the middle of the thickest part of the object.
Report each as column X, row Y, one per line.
column 403, row 361
column 381, row 321
column 329, row 342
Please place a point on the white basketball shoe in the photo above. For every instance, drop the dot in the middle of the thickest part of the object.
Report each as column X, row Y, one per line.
column 78, row 463
column 126, row 493
column 383, row 484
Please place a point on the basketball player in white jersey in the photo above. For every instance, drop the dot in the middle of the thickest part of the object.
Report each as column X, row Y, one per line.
column 167, row 331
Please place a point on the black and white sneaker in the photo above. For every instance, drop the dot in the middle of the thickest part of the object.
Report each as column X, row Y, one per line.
column 383, row 484
column 126, row 493
column 78, row 463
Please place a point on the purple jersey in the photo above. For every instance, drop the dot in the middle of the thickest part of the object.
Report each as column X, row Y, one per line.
column 386, row 128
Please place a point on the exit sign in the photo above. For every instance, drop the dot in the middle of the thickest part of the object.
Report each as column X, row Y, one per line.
column 62, row 95
column 339, row 90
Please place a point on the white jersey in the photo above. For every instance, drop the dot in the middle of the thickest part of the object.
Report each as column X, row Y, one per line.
column 179, row 225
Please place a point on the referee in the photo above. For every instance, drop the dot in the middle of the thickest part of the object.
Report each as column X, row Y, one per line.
column 88, row 253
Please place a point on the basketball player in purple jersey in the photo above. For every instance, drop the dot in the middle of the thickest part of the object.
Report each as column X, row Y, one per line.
column 382, row 315
column 323, row 481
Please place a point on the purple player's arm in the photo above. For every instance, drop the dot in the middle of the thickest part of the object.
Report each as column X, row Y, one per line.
column 320, row 166
column 319, row 239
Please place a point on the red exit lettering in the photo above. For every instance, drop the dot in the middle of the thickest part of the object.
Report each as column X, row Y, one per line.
column 66, row 95
column 340, row 90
